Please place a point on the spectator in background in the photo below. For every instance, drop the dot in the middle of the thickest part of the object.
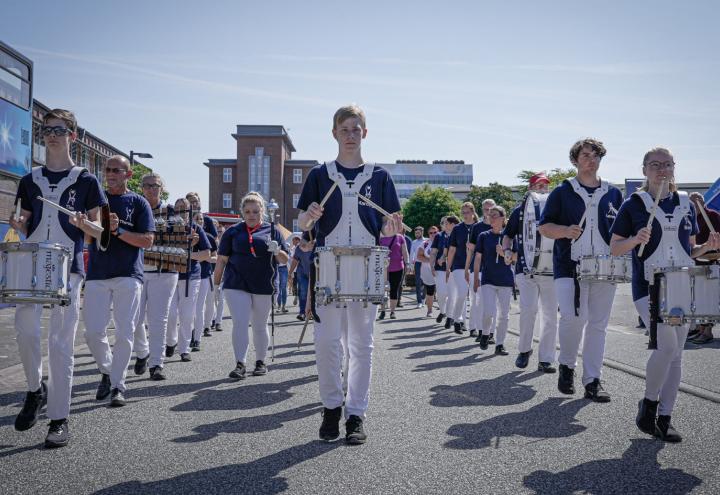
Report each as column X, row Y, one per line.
column 420, row 240
column 399, row 258
column 300, row 272
column 424, row 274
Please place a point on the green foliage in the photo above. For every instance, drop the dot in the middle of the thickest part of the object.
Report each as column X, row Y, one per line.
column 427, row 205
column 135, row 182
column 503, row 195
column 556, row 176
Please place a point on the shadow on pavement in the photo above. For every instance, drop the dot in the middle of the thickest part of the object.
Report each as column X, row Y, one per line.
column 469, row 360
column 442, row 352
column 418, row 335
column 504, row 390
column 441, row 341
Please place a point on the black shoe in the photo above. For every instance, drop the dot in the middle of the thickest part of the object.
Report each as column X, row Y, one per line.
column 206, row 333
column 641, row 323
column 194, row 346
column 646, row 416
column 354, row 432
column 500, row 350
column 566, row 380
column 439, row 318
column 34, row 402
column 448, row 323
column 458, row 328
column 473, row 333
column 484, row 341
column 141, row 365
column 156, row 373
column 103, row 390
column 58, row 434
column 239, row 372
column 546, row 367
column 694, row 332
column 381, row 316
column 170, row 350
column 218, row 327
column 392, row 315
column 117, row 399
column 491, row 339
column 523, row 359
column 260, row 369
column 185, row 357
column 479, row 336
column 594, row 391
column 300, row 317
column 664, row 430
column 330, row 427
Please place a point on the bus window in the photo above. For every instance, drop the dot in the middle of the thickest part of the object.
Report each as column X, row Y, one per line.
column 14, row 77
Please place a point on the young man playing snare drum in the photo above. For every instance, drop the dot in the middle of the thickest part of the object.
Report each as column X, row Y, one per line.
column 346, row 221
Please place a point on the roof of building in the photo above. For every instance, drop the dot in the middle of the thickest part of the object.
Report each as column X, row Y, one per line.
column 264, row 131
column 312, row 163
column 220, row 161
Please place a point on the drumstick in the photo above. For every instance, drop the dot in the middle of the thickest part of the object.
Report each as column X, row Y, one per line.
column 707, row 219
column 580, row 224
column 380, row 209
column 652, row 214
column 324, row 200
column 96, row 229
column 302, row 334
column 497, row 255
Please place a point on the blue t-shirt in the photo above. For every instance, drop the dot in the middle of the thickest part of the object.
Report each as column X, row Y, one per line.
column 458, row 239
column 121, row 259
column 245, row 271
column 206, row 268
column 440, row 242
column 82, row 196
column 203, row 244
column 209, row 226
column 565, row 207
column 632, row 217
column 304, row 262
column 494, row 270
column 477, row 229
column 379, row 188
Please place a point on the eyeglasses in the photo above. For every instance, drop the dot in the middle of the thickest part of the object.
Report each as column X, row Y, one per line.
column 57, row 130
column 114, row 170
column 493, row 216
column 661, row 166
column 152, row 186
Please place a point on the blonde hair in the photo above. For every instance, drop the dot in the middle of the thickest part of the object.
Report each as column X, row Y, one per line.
column 347, row 112
column 469, row 204
column 253, row 197
column 672, row 187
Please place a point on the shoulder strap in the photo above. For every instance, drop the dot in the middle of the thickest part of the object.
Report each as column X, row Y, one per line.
column 646, row 199
column 684, row 202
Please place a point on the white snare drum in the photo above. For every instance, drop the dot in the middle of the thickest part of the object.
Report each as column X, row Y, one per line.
column 350, row 274
column 689, row 295
column 537, row 250
column 34, row 272
column 605, row 268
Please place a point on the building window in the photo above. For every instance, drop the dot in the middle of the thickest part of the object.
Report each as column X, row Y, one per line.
column 227, row 175
column 259, row 173
column 296, row 198
column 227, row 200
column 295, row 225
column 297, row 176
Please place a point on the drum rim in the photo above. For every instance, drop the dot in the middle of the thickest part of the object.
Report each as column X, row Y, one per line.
column 14, row 247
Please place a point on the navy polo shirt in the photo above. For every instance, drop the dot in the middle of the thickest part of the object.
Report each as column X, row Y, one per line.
column 304, row 261
column 632, row 217
column 440, row 242
column 458, row 239
column 82, row 196
column 477, row 229
column 494, row 270
column 203, row 244
column 565, row 207
column 206, row 268
column 379, row 188
column 243, row 271
column 122, row 259
column 209, row 226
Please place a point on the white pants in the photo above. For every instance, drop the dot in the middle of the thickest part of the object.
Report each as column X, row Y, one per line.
column 209, row 304
column 123, row 293
column 182, row 309
column 199, row 322
column 441, row 291
column 496, row 311
column 329, row 355
column 531, row 289
column 476, row 308
column 458, row 289
column 61, row 343
column 663, row 371
column 596, row 300
column 219, row 305
column 157, row 293
column 246, row 308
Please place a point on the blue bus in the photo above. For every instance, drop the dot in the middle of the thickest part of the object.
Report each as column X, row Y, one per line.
column 16, row 76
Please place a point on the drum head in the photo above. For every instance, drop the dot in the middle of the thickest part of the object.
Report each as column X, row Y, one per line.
column 534, row 203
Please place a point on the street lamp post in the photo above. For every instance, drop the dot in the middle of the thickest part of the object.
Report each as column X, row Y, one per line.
column 133, row 154
column 272, row 207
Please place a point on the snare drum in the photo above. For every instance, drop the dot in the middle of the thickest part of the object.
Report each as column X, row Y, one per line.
column 605, row 268
column 689, row 294
column 350, row 274
column 34, row 272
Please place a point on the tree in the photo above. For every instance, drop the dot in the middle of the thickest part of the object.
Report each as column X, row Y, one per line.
column 556, row 176
column 135, row 182
column 503, row 196
column 427, row 205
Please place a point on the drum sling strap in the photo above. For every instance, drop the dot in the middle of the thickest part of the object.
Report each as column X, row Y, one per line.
column 311, row 284
column 653, row 302
column 576, row 298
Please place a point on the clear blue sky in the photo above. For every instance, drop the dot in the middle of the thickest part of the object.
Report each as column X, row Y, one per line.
column 504, row 85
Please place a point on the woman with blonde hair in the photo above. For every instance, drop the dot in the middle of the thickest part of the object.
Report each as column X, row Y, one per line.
column 455, row 274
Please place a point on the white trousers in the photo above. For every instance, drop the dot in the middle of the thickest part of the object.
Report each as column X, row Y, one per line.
column 663, row 371
column 496, row 311
column 458, row 291
column 596, row 300
column 441, row 291
column 358, row 322
column 246, row 308
column 61, row 344
column 219, row 304
column 157, row 293
column 531, row 290
column 123, row 293
column 182, row 309
column 476, row 308
column 199, row 322
column 209, row 305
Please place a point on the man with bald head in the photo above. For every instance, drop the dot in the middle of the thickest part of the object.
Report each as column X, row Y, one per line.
column 115, row 278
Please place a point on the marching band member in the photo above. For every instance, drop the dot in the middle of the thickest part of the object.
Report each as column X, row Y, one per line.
column 497, row 280
column 203, row 316
column 673, row 234
column 532, row 287
column 219, row 298
column 345, row 221
column 457, row 253
column 584, row 306
column 115, row 278
column 245, row 268
column 76, row 189
column 476, row 298
column 207, row 224
column 424, row 275
column 158, row 289
column 438, row 253
column 300, row 268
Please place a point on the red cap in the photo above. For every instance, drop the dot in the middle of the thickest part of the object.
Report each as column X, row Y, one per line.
column 539, row 177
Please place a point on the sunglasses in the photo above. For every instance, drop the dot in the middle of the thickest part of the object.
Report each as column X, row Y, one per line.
column 152, row 186
column 58, row 130
column 115, row 170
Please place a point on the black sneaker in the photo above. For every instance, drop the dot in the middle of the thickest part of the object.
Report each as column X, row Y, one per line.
column 381, row 316
column 103, row 390
column 170, row 350
column 500, row 350
column 194, row 346
column 448, row 323
column 523, row 359
column 694, row 332
column 594, row 391
column 117, row 399
column 473, row 332
column 664, row 430
column 185, row 357
column 484, row 341
column 218, row 327
column 566, row 380
column 647, row 416
column 300, row 317
column 260, row 369
column 458, row 328
column 206, row 333
column 330, row 427
column 34, row 402
column 58, row 434
column 239, row 372
column 141, row 365
column 439, row 318
column 156, row 373
column 546, row 367
column 392, row 315
column 491, row 339
column 354, row 432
